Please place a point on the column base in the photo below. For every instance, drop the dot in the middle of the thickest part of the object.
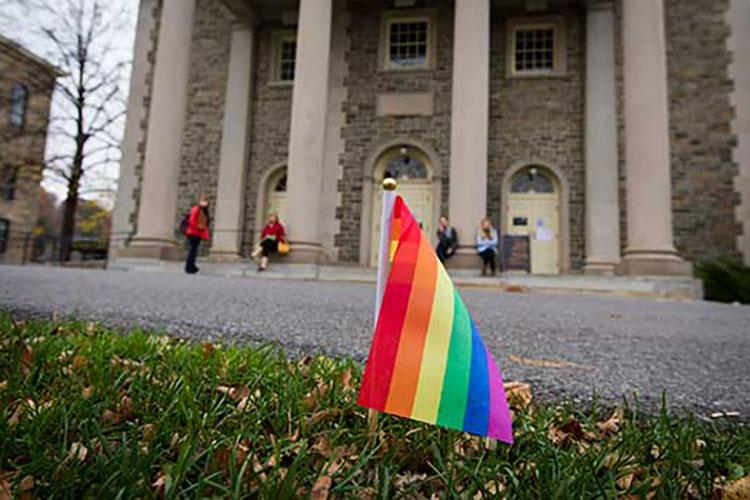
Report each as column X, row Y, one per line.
column 304, row 253
column 159, row 250
column 645, row 264
column 601, row 267
column 464, row 258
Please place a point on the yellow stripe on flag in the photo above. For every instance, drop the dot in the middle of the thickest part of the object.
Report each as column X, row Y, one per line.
column 435, row 353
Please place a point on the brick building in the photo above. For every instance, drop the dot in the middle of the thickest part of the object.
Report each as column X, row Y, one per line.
column 613, row 136
column 26, row 85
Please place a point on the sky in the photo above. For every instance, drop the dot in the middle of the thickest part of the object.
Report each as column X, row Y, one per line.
column 20, row 21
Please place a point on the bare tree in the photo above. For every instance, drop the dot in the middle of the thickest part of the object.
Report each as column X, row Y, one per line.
column 88, row 114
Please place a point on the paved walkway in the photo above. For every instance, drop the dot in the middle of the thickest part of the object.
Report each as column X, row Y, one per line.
column 565, row 345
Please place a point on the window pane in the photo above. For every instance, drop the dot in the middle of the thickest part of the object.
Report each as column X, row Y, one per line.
column 534, row 49
column 287, row 56
column 408, row 43
column 19, row 98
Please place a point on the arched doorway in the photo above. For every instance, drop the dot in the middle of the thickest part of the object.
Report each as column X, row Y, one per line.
column 414, row 171
column 533, row 210
column 276, row 194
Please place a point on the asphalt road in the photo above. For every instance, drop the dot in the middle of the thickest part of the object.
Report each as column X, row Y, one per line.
column 566, row 346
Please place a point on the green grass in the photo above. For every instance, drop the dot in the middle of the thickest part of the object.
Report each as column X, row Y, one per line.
column 86, row 412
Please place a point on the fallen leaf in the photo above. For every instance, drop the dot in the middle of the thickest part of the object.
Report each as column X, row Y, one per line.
column 323, row 447
column 16, row 415
column 148, row 432
column 611, row 425
column 208, row 349
column 518, row 393
column 737, row 490
column 3, row 385
column 87, row 391
column 79, row 362
column 112, row 417
column 26, row 484
column 77, row 452
column 346, row 379
column 235, row 393
column 321, row 416
column 160, row 484
column 27, row 361
column 321, row 488
column 6, row 485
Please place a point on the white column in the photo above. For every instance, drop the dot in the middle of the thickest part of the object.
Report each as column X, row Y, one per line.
column 738, row 18
column 469, row 124
column 230, row 199
column 308, row 129
column 122, row 225
column 158, row 197
column 650, row 248
column 602, row 200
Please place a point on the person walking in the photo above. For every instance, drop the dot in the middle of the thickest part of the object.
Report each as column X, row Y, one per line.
column 487, row 240
column 447, row 240
column 197, row 231
column 273, row 234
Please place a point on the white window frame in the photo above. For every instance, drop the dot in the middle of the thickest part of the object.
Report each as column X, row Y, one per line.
column 277, row 38
column 407, row 16
column 559, row 61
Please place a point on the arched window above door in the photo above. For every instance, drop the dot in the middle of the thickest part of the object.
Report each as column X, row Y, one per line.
column 532, row 180
column 406, row 164
column 280, row 185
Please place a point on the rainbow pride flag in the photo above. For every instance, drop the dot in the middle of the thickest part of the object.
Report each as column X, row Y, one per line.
column 427, row 361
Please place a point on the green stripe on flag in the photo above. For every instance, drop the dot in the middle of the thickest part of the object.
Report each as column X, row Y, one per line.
column 457, row 370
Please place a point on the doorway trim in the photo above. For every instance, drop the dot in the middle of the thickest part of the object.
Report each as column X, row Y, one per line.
column 369, row 182
column 261, row 198
column 564, row 199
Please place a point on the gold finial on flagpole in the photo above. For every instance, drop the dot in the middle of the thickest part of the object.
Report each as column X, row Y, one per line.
column 390, row 184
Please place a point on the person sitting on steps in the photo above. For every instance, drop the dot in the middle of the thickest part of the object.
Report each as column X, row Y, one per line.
column 273, row 234
column 487, row 240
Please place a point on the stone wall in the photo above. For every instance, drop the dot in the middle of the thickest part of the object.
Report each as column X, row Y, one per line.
column 23, row 149
column 363, row 132
column 269, row 131
column 703, row 195
column 209, row 66
column 539, row 118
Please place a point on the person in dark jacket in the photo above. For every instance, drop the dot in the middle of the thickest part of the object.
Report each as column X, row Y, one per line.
column 447, row 240
column 197, row 231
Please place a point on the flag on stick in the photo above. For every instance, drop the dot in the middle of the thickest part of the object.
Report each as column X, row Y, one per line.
column 427, row 361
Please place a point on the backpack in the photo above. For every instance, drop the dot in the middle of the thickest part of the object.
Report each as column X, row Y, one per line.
column 184, row 223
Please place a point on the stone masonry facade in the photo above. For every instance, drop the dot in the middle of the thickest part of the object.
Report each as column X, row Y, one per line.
column 530, row 119
column 22, row 149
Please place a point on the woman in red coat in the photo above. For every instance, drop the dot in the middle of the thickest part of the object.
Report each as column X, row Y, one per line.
column 273, row 234
column 197, row 231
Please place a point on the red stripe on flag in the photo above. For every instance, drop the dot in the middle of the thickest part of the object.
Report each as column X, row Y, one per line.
column 379, row 368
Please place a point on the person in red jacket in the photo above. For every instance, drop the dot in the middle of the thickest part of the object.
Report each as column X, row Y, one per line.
column 197, row 231
column 273, row 234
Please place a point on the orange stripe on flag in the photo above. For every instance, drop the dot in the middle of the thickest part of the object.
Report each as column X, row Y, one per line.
column 409, row 358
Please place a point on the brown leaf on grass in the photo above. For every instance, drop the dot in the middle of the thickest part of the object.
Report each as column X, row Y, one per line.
column 26, row 484
column 3, row 385
column 208, row 349
column 323, row 447
column 321, row 488
column 79, row 362
column 737, row 490
column 77, row 452
column 237, row 393
column 346, row 379
column 112, row 417
column 321, row 416
column 87, row 391
column 6, row 485
column 148, row 432
column 15, row 417
column 313, row 397
column 611, row 425
column 27, row 361
column 518, row 393
column 160, row 484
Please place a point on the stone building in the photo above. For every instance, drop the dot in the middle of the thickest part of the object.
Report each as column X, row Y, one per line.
column 609, row 136
column 26, row 85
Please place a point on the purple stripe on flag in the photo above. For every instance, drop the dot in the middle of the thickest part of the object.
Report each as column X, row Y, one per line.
column 500, row 425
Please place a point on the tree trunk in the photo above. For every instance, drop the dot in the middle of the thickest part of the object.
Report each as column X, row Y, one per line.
column 68, row 223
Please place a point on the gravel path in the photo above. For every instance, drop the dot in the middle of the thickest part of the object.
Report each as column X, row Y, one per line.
column 566, row 345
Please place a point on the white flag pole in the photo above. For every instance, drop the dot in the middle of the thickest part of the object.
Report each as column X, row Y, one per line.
column 389, row 198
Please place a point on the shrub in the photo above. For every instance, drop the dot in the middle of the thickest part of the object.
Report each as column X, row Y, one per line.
column 725, row 280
